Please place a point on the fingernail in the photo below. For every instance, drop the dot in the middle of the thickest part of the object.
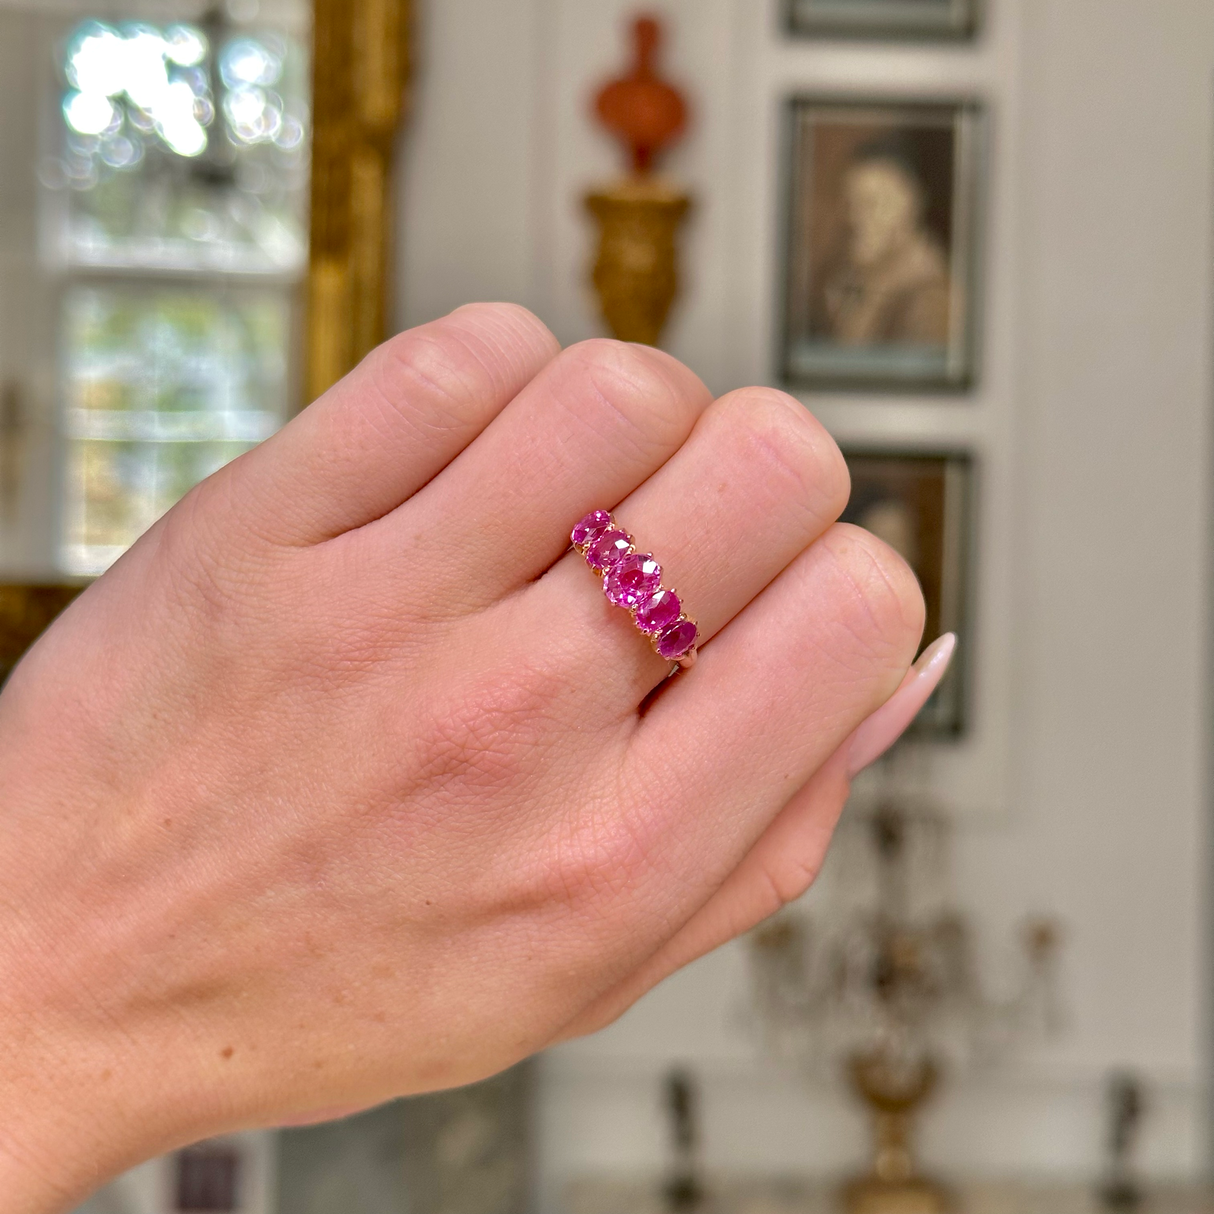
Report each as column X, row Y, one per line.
column 876, row 735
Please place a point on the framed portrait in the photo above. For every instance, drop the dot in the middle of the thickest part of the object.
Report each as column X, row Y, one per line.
column 880, row 244
column 921, row 504
column 934, row 20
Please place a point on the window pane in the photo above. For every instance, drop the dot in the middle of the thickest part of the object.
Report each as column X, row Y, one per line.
column 183, row 146
column 162, row 386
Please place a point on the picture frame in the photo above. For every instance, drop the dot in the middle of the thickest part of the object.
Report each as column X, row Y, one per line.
column 881, row 244
column 921, row 503
column 893, row 20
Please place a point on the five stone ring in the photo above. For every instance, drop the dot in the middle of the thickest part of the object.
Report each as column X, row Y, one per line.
column 633, row 581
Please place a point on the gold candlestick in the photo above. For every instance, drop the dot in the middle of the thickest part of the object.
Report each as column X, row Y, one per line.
column 893, row 1092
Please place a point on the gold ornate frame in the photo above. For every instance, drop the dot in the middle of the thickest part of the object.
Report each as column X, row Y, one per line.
column 25, row 611
column 360, row 69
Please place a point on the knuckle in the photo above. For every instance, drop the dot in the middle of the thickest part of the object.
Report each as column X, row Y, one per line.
column 653, row 397
column 882, row 587
column 784, row 879
column 488, row 736
column 440, row 379
column 435, row 380
column 211, row 578
column 594, row 858
column 604, row 853
column 784, row 435
column 507, row 326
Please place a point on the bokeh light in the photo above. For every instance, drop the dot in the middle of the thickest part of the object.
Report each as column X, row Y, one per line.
column 141, row 103
column 89, row 113
column 247, row 61
column 254, row 114
column 139, row 63
column 160, row 74
column 185, row 45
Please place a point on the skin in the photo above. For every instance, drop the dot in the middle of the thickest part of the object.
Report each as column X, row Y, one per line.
column 346, row 781
column 884, row 208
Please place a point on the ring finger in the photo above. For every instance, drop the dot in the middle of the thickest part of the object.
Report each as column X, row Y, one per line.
column 758, row 480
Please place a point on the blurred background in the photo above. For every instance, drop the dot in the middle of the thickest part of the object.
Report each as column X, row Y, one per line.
column 974, row 239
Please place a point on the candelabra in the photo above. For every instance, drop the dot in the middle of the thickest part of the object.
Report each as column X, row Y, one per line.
column 884, row 980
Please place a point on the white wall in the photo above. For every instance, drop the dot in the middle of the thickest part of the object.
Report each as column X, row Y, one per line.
column 28, row 299
column 1083, row 790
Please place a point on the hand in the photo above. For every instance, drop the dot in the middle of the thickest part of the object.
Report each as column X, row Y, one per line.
column 347, row 782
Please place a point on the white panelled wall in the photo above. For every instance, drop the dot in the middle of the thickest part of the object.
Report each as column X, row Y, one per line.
column 1083, row 790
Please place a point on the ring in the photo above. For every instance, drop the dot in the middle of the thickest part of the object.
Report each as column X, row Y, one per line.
column 633, row 580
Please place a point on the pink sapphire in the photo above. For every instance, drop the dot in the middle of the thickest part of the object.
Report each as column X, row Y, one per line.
column 677, row 641
column 658, row 611
column 632, row 580
column 610, row 547
column 590, row 528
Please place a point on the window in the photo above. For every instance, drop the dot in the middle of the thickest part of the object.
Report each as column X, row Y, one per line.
column 175, row 209
column 183, row 149
column 162, row 385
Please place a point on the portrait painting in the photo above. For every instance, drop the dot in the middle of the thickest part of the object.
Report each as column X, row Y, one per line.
column 921, row 505
column 880, row 257
column 889, row 19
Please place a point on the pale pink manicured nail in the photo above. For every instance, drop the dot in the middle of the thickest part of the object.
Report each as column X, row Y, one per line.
column 890, row 721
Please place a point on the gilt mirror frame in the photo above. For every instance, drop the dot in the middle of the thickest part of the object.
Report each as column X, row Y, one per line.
column 360, row 71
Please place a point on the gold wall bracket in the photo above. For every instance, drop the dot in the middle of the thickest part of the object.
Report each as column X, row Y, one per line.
column 636, row 271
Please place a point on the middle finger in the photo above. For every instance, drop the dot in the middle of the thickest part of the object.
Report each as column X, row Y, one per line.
column 589, row 428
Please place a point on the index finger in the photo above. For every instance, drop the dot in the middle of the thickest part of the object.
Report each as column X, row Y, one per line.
column 391, row 425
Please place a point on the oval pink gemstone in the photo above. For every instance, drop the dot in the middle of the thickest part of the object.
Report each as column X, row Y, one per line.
column 658, row 611
column 632, row 580
column 612, row 546
column 677, row 641
column 590, row 528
